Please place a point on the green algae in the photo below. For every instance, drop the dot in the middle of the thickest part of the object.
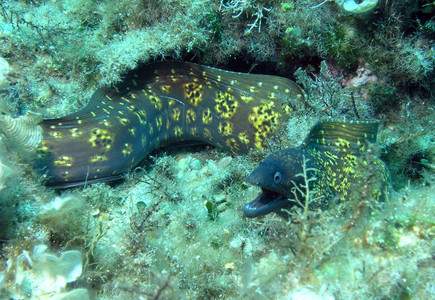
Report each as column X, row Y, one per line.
column 174, row 229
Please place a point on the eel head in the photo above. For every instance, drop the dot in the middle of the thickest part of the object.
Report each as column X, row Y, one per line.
column 276, row 176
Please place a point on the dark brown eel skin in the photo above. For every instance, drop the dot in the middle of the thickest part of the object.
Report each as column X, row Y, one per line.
column 336, row 158
column 159, row 104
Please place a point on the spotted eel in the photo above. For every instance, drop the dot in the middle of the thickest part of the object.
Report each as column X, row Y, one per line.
column 336, row 155
column 159, row 104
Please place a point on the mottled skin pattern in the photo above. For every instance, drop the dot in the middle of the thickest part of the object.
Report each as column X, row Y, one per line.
column 336, row 153
column 159, row 104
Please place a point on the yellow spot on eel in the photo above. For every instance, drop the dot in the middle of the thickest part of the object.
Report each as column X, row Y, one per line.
column 335, row 154
column 158, row 104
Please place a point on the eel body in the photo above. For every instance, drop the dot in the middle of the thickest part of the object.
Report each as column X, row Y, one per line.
column 335, row 157
column 159, row 104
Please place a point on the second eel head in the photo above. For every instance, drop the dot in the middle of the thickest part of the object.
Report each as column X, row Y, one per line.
column 276, row 175
column 335, row 158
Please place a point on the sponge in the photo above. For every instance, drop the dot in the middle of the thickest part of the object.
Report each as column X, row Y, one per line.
column 356, row 8
column 55, row 272
column 43, row 275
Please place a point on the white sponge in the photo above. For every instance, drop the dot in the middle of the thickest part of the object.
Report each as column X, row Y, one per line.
column 353, row 7
column 55, row 272
column 4, row 70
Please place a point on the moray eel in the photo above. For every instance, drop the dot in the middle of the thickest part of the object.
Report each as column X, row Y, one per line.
column 336, row 156
column 159, row 104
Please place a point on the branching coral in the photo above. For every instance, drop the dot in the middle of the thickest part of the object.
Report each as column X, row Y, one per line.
column 327, row 97
column 237, row 7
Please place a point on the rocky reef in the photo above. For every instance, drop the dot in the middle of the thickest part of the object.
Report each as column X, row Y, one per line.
column 173, row 227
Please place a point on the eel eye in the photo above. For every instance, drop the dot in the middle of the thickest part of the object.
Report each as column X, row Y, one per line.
column 277, row 177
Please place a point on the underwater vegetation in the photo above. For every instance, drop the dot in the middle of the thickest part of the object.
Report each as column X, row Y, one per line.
column 173, row 228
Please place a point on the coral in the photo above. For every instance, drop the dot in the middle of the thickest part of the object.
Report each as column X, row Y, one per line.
column 173, row 228
column 326, row 97
column 238, row 7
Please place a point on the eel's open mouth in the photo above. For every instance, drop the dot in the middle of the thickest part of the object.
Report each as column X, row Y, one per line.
column 268, row 201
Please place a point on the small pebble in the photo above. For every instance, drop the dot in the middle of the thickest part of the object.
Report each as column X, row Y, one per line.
column 225, row 162
column 196, row 164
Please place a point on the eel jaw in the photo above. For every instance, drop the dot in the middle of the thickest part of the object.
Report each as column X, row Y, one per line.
column 267, row 201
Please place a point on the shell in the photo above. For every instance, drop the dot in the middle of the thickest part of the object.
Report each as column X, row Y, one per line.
column 23, row 132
